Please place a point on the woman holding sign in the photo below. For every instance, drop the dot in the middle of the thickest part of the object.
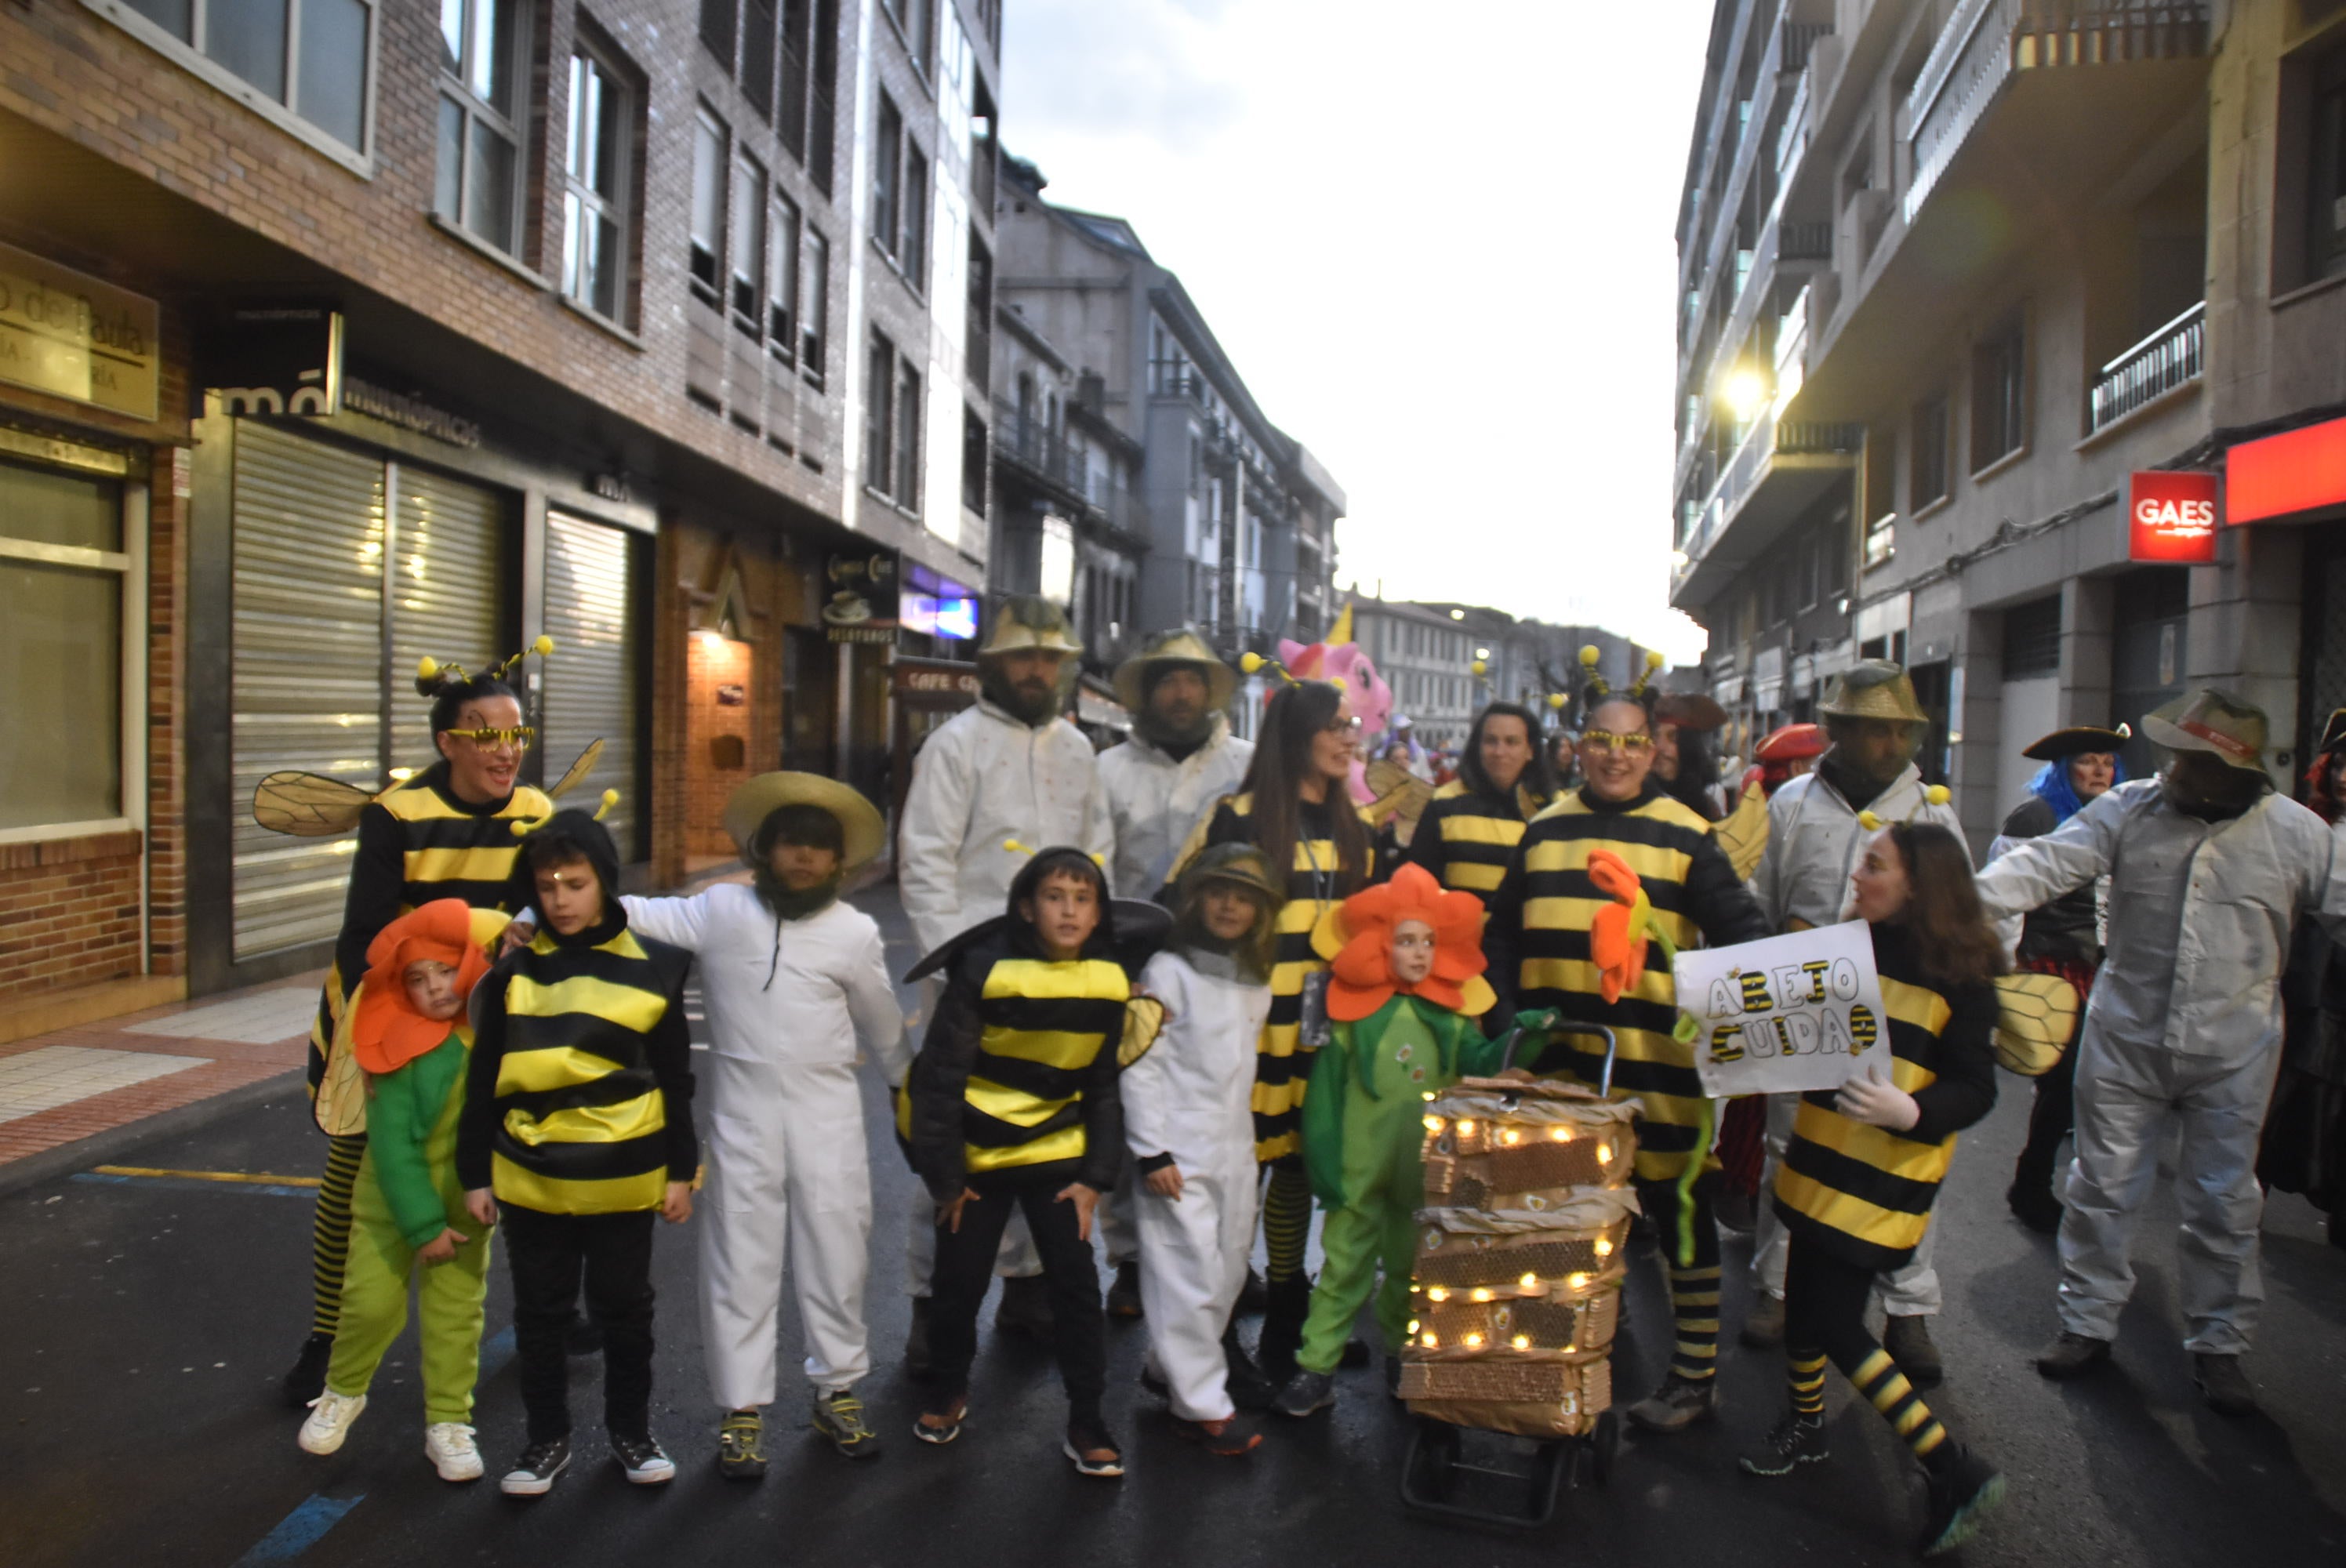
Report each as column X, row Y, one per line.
column 1538, row 945
column 1866, row 1160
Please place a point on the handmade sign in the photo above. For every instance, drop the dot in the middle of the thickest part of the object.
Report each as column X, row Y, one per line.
column 1785, row 1014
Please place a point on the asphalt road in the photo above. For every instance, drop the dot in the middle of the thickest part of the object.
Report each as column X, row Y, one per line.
column 149, row 1320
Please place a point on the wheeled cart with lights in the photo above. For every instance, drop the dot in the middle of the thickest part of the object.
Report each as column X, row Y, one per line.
column 1518, row 1290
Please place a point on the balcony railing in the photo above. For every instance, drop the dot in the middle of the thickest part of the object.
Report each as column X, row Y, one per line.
column 1022, row 440
column 2170, row 358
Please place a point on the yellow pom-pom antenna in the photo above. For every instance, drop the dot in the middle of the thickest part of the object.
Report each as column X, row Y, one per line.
column 1653, row 658
column 426, row 668
column 1252, row 662
column 1480, row 667
column 1938, row 794
column 1556, row 702
column 1868, row 820
column 610, row 798
column 1589, row 656
column 1014, row 847
column 543, row 646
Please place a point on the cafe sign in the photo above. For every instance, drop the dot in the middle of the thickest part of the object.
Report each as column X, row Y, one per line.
column 67, row 334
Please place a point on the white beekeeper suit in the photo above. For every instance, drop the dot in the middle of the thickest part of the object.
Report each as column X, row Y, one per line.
column 788, row 1174
column 1154, row 800
column 2184, row 1023
column 1190, row 1097
column 1814, row 843
column 984, row 780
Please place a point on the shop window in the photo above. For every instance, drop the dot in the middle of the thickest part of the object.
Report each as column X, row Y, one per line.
column 707, row 205
column 483, row 64
column 1927, row 477
column 308, row 60
column 1999, row 394
column 64, row 573
column 598, row 233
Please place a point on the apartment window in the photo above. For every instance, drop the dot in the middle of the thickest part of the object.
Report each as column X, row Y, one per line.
column 887, row 171
column 1999, row 395
column 2325, row 225
column 1927, row 474
column 790, row 98
column 597, row 229
column 915, row 19
column 719, row 22
column 879, row 413
column 756, row 77
column 482, row 60
column 913, row 254
column 972, row 460
column 747, row 219
column 707, row 205
column 312, row 58
column 814, row 317
column 908, row 437
column 783, row 292
column 65, row 575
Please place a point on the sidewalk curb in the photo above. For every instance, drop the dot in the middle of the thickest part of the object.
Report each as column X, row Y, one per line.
column 33, row 1170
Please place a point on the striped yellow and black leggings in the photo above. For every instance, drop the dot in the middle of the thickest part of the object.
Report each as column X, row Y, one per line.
column 1824, row 1319
column 1286, row 1216
column 1688, row 1233
column 329, row 1234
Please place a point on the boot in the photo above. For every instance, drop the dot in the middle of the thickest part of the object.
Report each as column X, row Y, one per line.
column 1253, row 1294
column 2223, row 1385
column 307, row 1380
column 1026, row 1308
column 1288, row 1303
column 2033, row 1206
column 1908, row 1340
column 1763, row 1325
column 2070, row 1356
column 1249, row 1388
column 1962, row 1488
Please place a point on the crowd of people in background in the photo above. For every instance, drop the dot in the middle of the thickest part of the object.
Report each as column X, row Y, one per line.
column 1129, row 1028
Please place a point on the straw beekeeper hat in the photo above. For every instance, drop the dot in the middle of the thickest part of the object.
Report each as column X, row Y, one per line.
column 1241, row 863
column 2209, row 720
column 1023, row 622
column 1874, row 689
column 1180, row 648
column 860, row 829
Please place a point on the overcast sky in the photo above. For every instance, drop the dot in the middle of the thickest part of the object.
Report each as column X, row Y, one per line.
column 1437, row 244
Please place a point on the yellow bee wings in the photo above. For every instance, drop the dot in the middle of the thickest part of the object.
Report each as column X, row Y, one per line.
column 1743, row 835
column 2039, row 1015
column 313, row 806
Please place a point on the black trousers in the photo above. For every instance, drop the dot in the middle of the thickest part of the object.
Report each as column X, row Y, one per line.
column 965, row 1268
column 550, row 1253
column 2051, row 1117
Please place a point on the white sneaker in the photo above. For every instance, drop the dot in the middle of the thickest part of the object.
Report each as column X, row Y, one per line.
column 331, row 1415
column 449, row 1446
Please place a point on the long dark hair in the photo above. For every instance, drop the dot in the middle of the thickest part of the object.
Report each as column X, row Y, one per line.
column 1283, row 758
column 1063, row 861
column 1538, row 777
column 1952, row 938
column 1697, row 772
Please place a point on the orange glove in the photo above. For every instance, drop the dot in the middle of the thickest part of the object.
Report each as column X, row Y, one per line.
column 1617, row 937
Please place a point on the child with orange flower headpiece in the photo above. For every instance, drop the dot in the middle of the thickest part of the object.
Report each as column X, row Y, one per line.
column 1405, row 989
column 408, row 1034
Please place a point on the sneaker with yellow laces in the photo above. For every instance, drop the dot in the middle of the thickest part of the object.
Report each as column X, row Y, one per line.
column 839, row 1417
column 741, row 1446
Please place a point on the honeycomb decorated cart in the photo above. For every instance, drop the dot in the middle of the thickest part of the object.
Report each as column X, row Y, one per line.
column 1517, row 1293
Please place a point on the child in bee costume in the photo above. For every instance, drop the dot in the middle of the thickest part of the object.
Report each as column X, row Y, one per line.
column 1404, row 991
column 1189, row 1123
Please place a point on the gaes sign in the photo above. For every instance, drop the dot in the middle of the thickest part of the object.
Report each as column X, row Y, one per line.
column 2172, row 516
column 1786, row 1013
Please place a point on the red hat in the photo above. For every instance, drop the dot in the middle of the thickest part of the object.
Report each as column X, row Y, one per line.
column 1793, row 743
column 388, row 1033
column 1363, row 979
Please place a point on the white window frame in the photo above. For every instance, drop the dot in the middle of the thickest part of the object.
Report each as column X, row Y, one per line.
column 130, row 564
column 621, row 210
column 458, row 87
column 190, row 57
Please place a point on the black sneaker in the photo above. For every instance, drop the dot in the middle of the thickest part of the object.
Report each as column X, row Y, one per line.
column 1791, row 1442
column 533, row 1474
column 1091, row 1449
column 307, row 1380
column 1124, row 1294
column 645, row 1463
column 1964, row 1488
column 741, row 1446
column 1305, row 1392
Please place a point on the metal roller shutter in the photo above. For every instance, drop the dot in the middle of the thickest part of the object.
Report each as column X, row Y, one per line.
column 448, row 566
column 590, row 680
column 307, row 672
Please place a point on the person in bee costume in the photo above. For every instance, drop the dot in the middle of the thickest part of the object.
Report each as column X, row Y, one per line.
column 1540, row 942
column 1465, row 833
column 446, row 833
column 1818, row 828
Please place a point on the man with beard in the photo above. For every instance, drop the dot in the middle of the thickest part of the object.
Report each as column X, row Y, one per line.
column 2209, row 869
column 1181, row 758
column 994, row 782
column 1815, row 839
column 791, row 976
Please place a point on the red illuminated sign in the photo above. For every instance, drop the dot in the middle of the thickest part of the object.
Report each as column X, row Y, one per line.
column 2295, row 470
column 2172, row 516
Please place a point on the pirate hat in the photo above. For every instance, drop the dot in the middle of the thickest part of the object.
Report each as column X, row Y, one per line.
column 2209, row 720
column 1874, row 689
column 2333, row 733
column 862, row 835
column 1792, row 743
column 1689, row 710
column 1182, row 648
column 2077, row 740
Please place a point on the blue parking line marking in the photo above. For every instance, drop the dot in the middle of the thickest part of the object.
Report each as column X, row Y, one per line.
column 262, row 1188
column 300, row 1530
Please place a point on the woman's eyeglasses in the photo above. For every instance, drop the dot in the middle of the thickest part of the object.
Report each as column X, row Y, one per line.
column 1342, row 726
column 520, row 736
column 1634, row 744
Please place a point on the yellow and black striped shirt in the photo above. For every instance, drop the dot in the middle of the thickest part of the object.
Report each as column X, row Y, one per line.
column 1465, row 836
column 1018, row 1070
column 1863, row 1193
column 578, row 1099
column 418, row 841
column 1538, row 942
column 1316, row 884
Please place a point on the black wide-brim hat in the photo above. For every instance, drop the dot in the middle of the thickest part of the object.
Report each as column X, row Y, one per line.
column 2078, row 740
